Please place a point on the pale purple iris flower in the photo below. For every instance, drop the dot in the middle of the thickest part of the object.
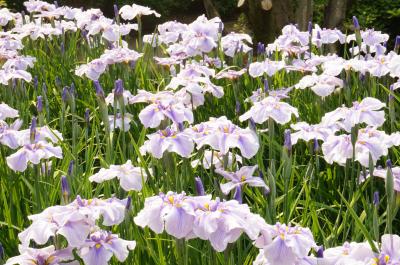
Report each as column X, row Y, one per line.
column 152, row 115
column 268, row 67
column 32, row 153
column 349, row 253
column 102, row 245
column 41, row 134
column 168, row 140
column 9, row 133
column 326, row 36
column 335, row 66
column 120, row 55
column 230, row 74
column 286, row 244
column 382, row 173
column 73, row 221
column 240, row 178
column 367, row 111
column 126, row 95
column 233, row 43
column 270, row 107
column 92, row 70
column 390, row 254
column 223, row 222
column 114, row 32
column 172, row 212
column 130, row 177
column 221, row 134
column 323, row 85
column 43, row 256
column 129, row 12
column 216, row 159
column 309, row 132
column 7, row 112
column 119, row 121
column 339, row 148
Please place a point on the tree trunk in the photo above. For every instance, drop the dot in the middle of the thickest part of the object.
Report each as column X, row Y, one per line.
column 335, row 13
column 266, row 25
column 303, row 13
column 210, row 9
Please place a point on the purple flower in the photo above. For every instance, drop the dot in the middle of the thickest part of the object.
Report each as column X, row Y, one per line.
column 288, row 245
column 168, row 140
column 322, row 85
column 172, row 211
column 216, row 159
column 199, row 186
column 129, row 12
column 307, row 132
column 9, row 134
column 102, row 245
column 32, row 153
column 116, row 121
column 130, row 177
column 349, row 253
column 221, row 134
column 231, row 41
column 240, row 178
column 223, row 222
column 270, row 107
column 47, row 255
column 390, row 250
column 7, row 112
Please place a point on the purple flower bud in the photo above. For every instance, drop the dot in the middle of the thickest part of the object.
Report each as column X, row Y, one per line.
column 128, row 205
column 33, row 130
column 241, row 49
column 118, row 87
column 39, row 104
column 376, row 198
column 14, row 83
column 1, row 252
column 132, row 64
column 260, row 48
column 116, row 12
column 287, row 140
column 72, row 89
column 310, row 27
column 397, row 42
column 316, row 145
column 35, row 82
column 65, row 190
column 355, row 23
column 87, row 116
column 220, row 27
column 44, row 88
column 84, row 34
column 56, row 4
column 199, row 186
column 361, row 77
column 99, row 89
column 237, row 107
column 65, row 94
column 320, row 252
column 391, row 97
column 389, row 163
column 71, row 167
column 266, row 85
column 238, row 194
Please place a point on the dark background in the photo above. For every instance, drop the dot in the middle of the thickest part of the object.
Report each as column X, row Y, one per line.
column 251, row 18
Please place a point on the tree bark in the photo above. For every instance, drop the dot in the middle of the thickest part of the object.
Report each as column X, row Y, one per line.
column 335, row 13
column 266, row 25
column 303, row 13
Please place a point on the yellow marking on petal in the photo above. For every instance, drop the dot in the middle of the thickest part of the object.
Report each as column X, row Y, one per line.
column 243, row 178
column 171, row 199
column 98, row 245
column 387, row 258
column 362, row 142
column 50, row 260
column 226, row 129
column 207, row 206
column 282, row 236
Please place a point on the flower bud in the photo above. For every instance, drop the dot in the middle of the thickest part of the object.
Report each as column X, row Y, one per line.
column 287, row 140
column 35, row 82
column 316, row 146
column 376, row 198
column 355, row 23
column 260, row 48
column 199, row 186
column 87, row 116
column 320, row 252
column 397, row 43
column 99, row 89
column 118, row 88
column 116, row 12
column 56, row 4
column 310, row 27
column 237, row 107
column 266, row 86
column 65, row 190
column 128, row 204
column 39, row 104
column 71, row 167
